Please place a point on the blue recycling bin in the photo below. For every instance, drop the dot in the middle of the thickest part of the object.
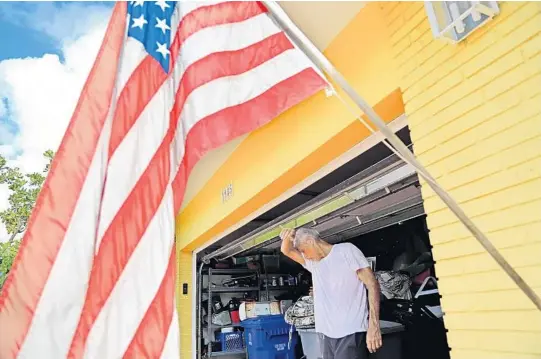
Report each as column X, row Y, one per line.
column 267, row 337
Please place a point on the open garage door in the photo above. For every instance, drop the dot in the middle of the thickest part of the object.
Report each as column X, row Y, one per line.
column 385, row 194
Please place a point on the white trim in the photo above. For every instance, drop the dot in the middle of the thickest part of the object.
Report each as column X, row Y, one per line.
column 396, row 125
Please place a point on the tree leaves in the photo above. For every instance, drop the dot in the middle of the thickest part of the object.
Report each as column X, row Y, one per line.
column 8, row 252
column 24, row 189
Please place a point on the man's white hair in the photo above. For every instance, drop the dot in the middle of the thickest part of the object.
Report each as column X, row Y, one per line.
column 302, row 234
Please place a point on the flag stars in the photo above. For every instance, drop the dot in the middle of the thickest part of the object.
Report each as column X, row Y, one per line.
column 162, row 4
column 162, row 49
column 139, row 22
column 138, row 3
column 162, row 25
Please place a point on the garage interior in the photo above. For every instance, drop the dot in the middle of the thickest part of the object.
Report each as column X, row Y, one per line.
column 373, row 201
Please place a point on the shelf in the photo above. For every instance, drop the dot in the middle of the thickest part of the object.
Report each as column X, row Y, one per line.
column 231, row 271
column 231, row 290
column 223, row 354
column 280, row 288
column 216, row 327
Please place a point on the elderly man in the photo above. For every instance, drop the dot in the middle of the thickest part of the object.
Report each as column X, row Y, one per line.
column 340, row 274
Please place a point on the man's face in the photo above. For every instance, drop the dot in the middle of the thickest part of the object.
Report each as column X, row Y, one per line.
column 309, row 250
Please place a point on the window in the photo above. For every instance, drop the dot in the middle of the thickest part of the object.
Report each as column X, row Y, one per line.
column 455, row 20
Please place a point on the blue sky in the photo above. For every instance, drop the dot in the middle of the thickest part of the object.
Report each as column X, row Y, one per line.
column 46, row 52
column 37, row 30
column 23, row 42
column 30, row 31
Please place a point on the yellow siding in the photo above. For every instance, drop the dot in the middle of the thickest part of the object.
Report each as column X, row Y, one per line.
column 474, row 111
column 185, row 303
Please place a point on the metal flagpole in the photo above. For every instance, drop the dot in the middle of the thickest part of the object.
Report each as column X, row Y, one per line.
column 400, row 148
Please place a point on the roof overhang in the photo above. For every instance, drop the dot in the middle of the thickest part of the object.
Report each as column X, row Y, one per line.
column 321, row 21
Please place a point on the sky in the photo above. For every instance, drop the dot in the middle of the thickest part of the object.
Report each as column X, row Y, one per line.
column 46, row 52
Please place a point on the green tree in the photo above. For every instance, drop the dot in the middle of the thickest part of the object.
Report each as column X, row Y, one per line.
column 24, row 189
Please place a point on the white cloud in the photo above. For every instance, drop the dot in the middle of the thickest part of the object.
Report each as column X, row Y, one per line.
column 42, row 92
column 3, row 109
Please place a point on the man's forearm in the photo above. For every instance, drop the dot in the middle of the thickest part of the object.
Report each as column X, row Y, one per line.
column 286, row 246
column 374, row 340
column 369, row 279
column 373, row 302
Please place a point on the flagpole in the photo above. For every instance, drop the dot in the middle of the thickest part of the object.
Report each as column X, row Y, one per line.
column 400, row 148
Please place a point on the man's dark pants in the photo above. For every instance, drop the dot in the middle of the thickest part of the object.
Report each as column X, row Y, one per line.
column 351, row 347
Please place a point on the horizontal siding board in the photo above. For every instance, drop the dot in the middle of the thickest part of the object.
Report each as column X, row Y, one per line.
column 518, row 257
column 516, row 321
column 489, row 201
column 493, row 221
column 512, row 299
column 503, row 341
column 486, row 281
column 479, row 354
column 456, row 231
column 465, row 186
column 514, row 236
column 426, row 119
column 463, row 135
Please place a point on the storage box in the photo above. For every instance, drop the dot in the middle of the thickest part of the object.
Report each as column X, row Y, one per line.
column 232, row 341
column 249, row 310
column 391, row 334
column 268, row 337
column 310, row 344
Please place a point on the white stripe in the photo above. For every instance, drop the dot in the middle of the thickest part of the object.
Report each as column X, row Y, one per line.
column 236, row 90
column 132, row 55
column 172, row 347
column 187, row 7
column 119, row 318
column 59, row 308
column 227, row 37
column 133, row 155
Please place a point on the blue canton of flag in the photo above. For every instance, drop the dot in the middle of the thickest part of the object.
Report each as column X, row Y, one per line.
column 150, row 24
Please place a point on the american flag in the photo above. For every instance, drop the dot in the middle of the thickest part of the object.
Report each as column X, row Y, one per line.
column 95, row 274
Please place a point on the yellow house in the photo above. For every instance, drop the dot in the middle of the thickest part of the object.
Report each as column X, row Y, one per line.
column 473, row 110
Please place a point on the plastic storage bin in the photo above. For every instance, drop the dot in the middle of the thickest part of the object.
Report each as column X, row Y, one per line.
column 391, row 349
column 267, row 337
column 232, row 342
column 310, row 343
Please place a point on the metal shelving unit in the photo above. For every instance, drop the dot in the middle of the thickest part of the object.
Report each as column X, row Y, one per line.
column 211, row 328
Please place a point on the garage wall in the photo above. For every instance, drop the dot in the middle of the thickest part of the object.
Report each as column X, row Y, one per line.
column 474, row 112
column 185, row 303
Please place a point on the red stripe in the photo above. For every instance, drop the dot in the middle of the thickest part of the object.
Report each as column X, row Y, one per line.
column 149, row 76
column 149, row 340
column 224, row 126
column 52, row 215
column 212, row 132
column 227, row 63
